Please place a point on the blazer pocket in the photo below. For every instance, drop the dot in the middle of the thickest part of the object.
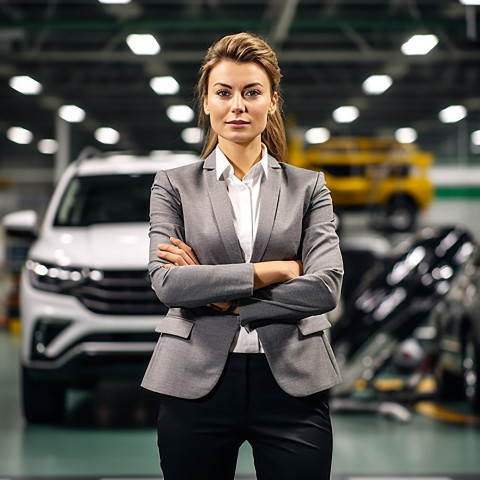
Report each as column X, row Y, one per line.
column 175, row 326
column 313, row 324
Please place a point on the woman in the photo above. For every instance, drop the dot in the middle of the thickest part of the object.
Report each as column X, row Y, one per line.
column 244, row 252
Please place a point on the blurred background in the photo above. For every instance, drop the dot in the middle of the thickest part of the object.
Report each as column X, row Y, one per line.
column 383, row 96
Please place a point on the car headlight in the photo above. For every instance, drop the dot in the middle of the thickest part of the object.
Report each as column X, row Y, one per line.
column 54, row 278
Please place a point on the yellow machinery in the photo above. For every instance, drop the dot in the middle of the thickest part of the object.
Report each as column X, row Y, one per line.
column 371, row 173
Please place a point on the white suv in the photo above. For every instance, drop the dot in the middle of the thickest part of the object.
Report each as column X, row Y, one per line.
column 87, row 308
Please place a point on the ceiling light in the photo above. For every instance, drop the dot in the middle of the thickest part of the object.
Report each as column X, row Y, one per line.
column 180, row 113
column 20, row 135
column 376, row 84
column 26, row 85
column 107, row 135
column 452, row 114
column 317, row 135
column 71, row 113
column 114, row 2
column 476, row 137
column 48, row 146
column 143, row 44
column 164, row 85
column 419, row 44
column 192, row 135
column 405, row 135
column 345, row 114
column 470, row 2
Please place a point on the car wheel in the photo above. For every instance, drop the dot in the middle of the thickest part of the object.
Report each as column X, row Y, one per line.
column 42, row 402
column 401, row 214
column 471, row 364
column 449, row 385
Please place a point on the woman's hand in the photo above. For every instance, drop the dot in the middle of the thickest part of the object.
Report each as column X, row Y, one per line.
column 268, row 273
column 177, row 253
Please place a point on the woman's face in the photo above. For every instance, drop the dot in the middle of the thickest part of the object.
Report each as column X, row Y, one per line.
column 238, row 101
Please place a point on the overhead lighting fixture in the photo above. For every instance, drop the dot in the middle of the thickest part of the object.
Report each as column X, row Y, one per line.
column 180, row 113
column 470, row 2
column 114, row 2
column 48, row 146
column 20, row 135
column 452, row 114
column 107, row 135
column 405, row 135
column 377, row 84
column 71, row 113
column 346, row 114
column 143, row 44
column 475, row 138
column 26, row 85
column 317, row 135
column 166, row 85
column 419, row 44
column 192, row 135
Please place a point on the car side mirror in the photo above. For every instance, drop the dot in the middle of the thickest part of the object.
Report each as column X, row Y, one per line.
column 21, row 224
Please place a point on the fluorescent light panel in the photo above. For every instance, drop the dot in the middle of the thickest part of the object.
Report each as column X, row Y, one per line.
column 20, row 135
column 377, row 84
column 71, row 113
column 192, row 135
column 419, row 44
column 317, row 135
column 405, row 135
column 107, row 135
column 470, row 2
column 48, row 146
column 346, row 114
column 143, row 44
column 180, row 113
column 166, row 85
column 26, row 85
column 114, row 2
column 476, row 137
column 452, row 114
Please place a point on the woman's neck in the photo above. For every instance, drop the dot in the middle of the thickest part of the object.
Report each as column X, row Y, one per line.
column 242, row 156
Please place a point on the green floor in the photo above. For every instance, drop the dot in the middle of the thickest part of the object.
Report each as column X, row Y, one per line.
column 111, row 433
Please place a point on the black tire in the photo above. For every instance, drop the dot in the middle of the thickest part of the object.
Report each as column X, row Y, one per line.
column 449, row 385
column 401, row 214
column 42, row 402
column 471, row 365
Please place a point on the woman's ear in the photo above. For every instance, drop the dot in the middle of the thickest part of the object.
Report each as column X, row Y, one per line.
column 273, row 103
column 205, row 106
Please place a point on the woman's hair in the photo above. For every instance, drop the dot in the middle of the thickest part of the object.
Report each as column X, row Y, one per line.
column 242, row 48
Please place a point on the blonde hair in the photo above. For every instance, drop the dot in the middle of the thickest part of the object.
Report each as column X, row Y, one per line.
column 242, row 48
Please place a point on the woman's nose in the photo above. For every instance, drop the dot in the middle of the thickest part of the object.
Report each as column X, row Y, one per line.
column 238, row 104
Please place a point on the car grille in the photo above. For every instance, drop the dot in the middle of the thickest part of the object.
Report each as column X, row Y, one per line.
column 120, row 293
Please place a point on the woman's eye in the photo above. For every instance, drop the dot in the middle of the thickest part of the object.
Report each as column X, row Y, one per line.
column 252, row 93
column 223, row 93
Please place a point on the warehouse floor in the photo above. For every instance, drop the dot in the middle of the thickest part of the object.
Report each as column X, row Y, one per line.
column 110, row 432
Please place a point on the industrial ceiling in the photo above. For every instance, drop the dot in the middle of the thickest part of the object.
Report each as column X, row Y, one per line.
column 77, row 50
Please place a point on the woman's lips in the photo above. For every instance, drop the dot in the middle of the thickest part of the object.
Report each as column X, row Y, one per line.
column 237, row 123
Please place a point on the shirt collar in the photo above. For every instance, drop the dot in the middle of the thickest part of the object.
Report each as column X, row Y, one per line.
column 223, row 166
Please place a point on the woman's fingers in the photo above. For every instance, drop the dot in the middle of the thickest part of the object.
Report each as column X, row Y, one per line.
column 188, row 250
column 180, row 254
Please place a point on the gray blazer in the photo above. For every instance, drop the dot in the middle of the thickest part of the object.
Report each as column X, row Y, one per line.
column 296, row 222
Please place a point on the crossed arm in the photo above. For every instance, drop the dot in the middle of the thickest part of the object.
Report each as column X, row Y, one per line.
column 179, row 254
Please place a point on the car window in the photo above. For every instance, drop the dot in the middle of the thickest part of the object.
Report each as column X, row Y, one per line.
column 105, row 199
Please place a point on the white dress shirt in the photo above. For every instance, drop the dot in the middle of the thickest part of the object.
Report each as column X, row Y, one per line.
column 245, row 198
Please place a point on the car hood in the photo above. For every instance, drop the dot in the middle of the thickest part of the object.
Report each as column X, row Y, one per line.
column 105, row 246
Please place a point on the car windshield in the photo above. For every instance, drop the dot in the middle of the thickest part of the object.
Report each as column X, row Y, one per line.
column 89, row 200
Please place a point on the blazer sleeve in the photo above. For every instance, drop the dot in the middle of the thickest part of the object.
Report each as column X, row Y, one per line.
column 316, row 291
column 193, row 285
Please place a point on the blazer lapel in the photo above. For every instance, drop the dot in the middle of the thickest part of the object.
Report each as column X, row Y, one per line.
column 269, row 192
column 222, row 209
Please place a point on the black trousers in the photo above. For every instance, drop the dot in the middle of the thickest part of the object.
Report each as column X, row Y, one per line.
column 291, row 437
